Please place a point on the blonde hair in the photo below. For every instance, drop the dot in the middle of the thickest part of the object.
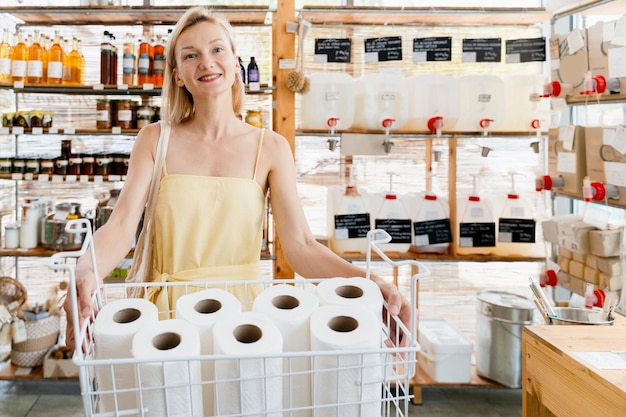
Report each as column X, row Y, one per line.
column 177, row 102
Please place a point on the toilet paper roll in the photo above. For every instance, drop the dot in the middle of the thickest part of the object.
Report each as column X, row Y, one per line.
column 347, row 384
column 203, row 309
column 169, row 387
column 351, row 292
column 290, row 309
column 250, row 383
column 114, row 329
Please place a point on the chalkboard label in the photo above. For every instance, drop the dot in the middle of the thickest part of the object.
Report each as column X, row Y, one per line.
column 482, row 50
column 383, row 49
column 525, row 50
column 351, row 226
column 432, row 232
column 333, row 50
column 516, row 230
column 477, row 235
column 432, row 49
column 398, row 229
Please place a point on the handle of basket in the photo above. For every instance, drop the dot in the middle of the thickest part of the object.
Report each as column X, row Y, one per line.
column 376, row 237
column 58, row 263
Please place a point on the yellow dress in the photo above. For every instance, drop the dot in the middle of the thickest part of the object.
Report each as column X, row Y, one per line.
column 206, row 229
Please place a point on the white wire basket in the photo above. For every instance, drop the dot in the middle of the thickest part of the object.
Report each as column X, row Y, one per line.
column 357, row 383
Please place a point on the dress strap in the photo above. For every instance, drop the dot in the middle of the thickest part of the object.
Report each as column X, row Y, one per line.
column 258, row 154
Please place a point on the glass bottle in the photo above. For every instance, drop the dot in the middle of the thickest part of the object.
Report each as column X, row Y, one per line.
column 253, row 71
column 146, row 62
column 77, row 63
column 19, row 58
column 55, row 61
column 106, row 59
column 242, row 71
column 5, row 57
column 34, row 67
column 128, row 60
column 159, row 62
column 67, row 61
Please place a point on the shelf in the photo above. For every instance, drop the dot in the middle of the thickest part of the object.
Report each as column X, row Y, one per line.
column 130, row 15
column 56, row 178
column 77, row 132
column 106, row 90
column 442, row 257
column 9, row 371
column 403, row 133
column 604, row 98
column 431, row 16
column 579, row 196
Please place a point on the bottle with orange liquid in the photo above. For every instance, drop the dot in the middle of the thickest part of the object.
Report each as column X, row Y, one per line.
column 159, row 62
column 67, row 64
column 77, row 63
column 128, row 60
column 19, row 58
column 55, row 61
column 5, row 57
column 146, row 62
column 34, row 67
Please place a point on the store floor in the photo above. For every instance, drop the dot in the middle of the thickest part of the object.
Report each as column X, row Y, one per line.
column 62, row 399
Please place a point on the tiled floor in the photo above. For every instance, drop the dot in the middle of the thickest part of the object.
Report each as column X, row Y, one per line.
column 62, row 399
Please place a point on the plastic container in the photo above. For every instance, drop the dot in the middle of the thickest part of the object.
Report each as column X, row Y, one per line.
column 482, row 102
column 381, row 102
column 526, row 108
column 476, row 231
column 501, row 320
column 329, row 103
column 431, row 214
column 348, row 220
column 393, row 217
column 433, row 103
column 445, row 352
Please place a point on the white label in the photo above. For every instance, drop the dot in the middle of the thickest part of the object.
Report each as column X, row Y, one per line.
column 466, row 242
column 566, row 135
column 254, row 86
column 18, row 130
column 505, row 237
column 566, row 163
column 114, row 178
column 37, row 131
column 388, row 96
column 370, row 56
column 97, row 179
column 575, row 41
column 16, row 176
column 420, row 56
column 615, row 173
column 35, row 69
column 53, row 130
column 43, row 178
column 484, row 98
column 28, row 176
column 5, row 334
column 125, row 115
column 148, row 86
column 128, row 63
column 468, row 57
column 84, row 178
column 4, row 131
column 69, row 130
column 102, row 116
column 513, row 58
column 116, row 130
column 98, row 86
column 331, row 96
column 55, row 70
column 320, row 58
column 57, row 178
column 5, row 66
column 422, row 240
column 619, row 139
column 476, row 212
column 18, row 69
column 70, row 178
column 619, row 35
column 341, row 234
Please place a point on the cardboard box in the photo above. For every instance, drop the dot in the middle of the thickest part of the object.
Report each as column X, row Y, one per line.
column 591, row 275
column 579, row 257
column 569, row 58
column 611, row 266
column 598, row 48
column 577, row 285
column 576, row 269
column 575, row 235
column 445, row 352
column 610, row 283
column 604, row 163
column 592, row 261
column 550, row 228
column 605, row 243
column 566, row 156
column 564, row 264
column 564, row 253
column 58, row 368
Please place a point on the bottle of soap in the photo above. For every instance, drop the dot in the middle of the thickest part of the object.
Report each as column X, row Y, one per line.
column 516, row 225
column 393, row 217
column 476, row 231
column 431, row 223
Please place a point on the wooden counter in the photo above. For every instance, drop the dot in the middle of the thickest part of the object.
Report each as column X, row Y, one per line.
column 557, row 383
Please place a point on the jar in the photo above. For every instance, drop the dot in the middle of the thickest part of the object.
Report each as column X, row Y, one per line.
column 60, row 166
column 46, row 166
column 47, row 119
column 104, row 119
column 19, row 166
column 87, row 168
column 7, row 119
column 22, row 118
column 145, row 116
column 125, row 114
column 6, row 166
column 103, row 164
column 32, row 166
column 74, row 165
column 117, row 164
column 254, row 118
column 66, row 148
column 36, row 119
column 12, row 235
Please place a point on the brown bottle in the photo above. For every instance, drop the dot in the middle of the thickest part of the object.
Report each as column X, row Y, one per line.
column 159, row 63
column 34, row 67
column 19, row 58
column 146, row 62
column 55, row 61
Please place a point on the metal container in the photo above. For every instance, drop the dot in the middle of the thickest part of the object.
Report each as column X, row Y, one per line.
column 501, row 319
column 579, row 316
column 54, row 235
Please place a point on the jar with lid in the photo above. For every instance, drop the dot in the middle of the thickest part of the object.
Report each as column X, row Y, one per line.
column 46, row 166
column 104, row 114
column 66, row 148
column 32, row 166
column 19, row 166
column 6, row 165
column 145, row 116
column 87, row 167
column 60, row 166
column 47, row 119
column 125, row 114
column 12, row 235
column 7, row 119
column 254, row 118
column 36, row 119
column 22, row 119
column 102, row 165
column 74, row 164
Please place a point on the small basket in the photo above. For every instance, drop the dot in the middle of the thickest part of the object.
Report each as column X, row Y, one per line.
column 41, row 335
column 12, row 293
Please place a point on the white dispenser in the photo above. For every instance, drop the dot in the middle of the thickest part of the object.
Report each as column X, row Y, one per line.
column 433, row 103
column 382, row 102
column 394, row 218
column 481, row 100
column 348, row 219
column 516, row 226
column 476, row 231
column 431, row 224
column 526, row 108
column 329, row 102
column 30, row 226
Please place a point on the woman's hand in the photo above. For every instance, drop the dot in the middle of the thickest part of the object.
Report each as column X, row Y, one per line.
column 397, row 305
column 85, row 287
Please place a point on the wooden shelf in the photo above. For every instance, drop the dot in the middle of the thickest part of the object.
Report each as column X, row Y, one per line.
column 106, row 90
column 602, row 99
column 416, row 134
column 425, row 16
column 579, row 196
column 443, row 257
column 129, row 15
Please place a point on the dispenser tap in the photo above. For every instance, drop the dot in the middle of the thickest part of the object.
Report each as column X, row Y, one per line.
column 484, row 124
column 435, row 125
column 546, row 182
column 332, row 141
column 387, row 145
column 596, row 191
column 593, row 84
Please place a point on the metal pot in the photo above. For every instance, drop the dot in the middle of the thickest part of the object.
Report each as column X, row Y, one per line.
column 54, row 234
column 573, row 316
column 106, row 204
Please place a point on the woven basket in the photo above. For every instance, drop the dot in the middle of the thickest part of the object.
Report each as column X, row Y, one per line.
column 41, row 335
column 12, row 293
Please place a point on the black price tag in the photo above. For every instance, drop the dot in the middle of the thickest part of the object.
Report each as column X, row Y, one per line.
column 383, row 49
column 333, row 50
column 398, row 229
column 482, row 50
column 432, row 49
column 525, row 50
column 516, row 230
column 477, row 235
column 432, row 232
column 351, row 226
